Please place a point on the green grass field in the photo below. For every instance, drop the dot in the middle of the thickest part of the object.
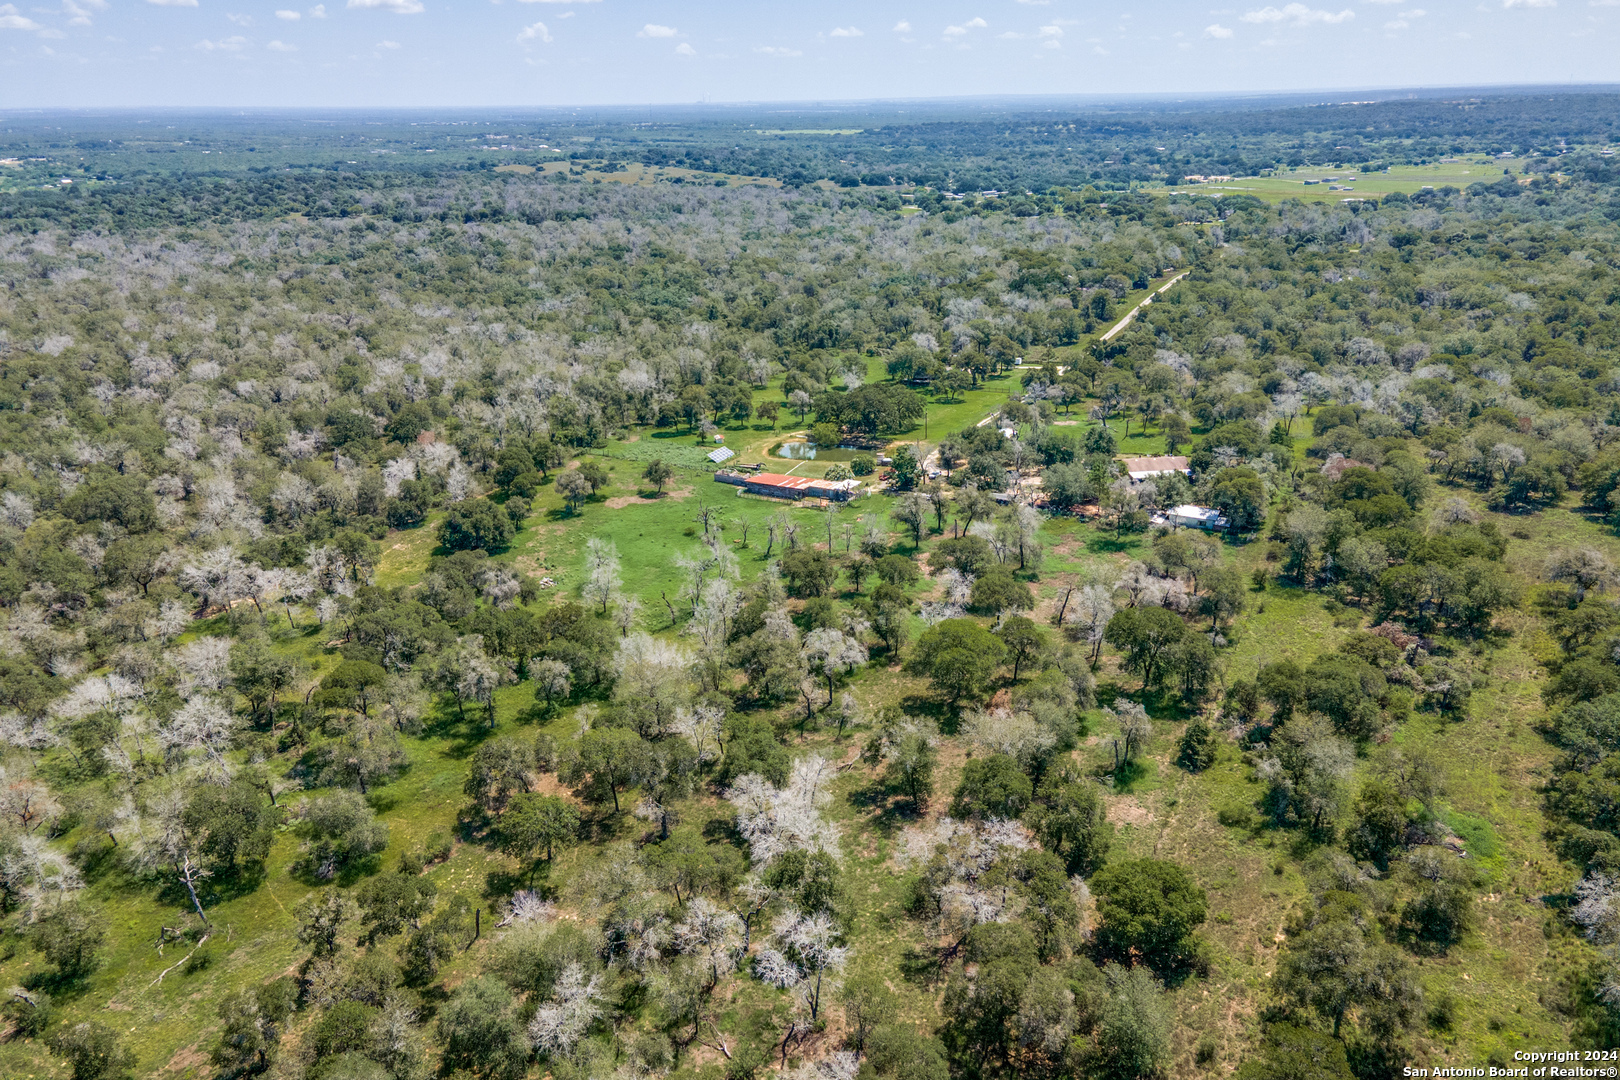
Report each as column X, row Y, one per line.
column 1407, row 179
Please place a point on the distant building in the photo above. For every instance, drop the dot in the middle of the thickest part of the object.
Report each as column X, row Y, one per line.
column 1146, row 468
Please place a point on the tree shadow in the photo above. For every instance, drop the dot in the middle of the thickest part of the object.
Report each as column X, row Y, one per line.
column 923, row 965
column 941, row 712
column 895, row 809
column 463, row 736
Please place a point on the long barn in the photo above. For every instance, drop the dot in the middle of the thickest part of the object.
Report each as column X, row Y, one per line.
column 782, row 486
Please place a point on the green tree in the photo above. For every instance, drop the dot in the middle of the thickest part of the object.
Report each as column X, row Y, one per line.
column 658, row 473
column 252, row 1022
column 1332, row 969
column 1133, row 1026
column 574, row 489
column 1379, row 830
column 231, row 826
column 1240, row 495
column 94, row 1052
column 958, row 656
column 1197, row 750
column 1023, row 640
column 476, row 525
column 1282, row 686
column 440, row 940
column 997, row 590
column 1071, row 820
column 992, row 786
column 1223, row 596
column 1145, row 635
column 906, row 747
column 1294, row 1052
column 1148, row 908
column 321, row 918
column 480, row 1031
column 535, row 822
column 605, row 762
column 342, row 829
column 500, row 767
column 906, row 468
column 70, row 937
column 900, row 1052
column 391, row 902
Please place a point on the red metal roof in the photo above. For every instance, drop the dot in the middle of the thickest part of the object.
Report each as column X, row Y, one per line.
column 782, row 480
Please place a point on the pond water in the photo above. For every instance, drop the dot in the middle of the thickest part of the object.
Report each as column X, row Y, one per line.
column 799, row 450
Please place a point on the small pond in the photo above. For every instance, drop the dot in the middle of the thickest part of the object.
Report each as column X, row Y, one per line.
column 800, row 450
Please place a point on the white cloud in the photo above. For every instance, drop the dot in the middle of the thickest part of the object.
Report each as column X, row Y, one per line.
column 234, row 43
column 1529, row 3
column 173, row 3
column 1049, row 32
column 1397, row 24
column 289, row 16
column 240, row 20
column 971, row 24
column 559, row 1
column 318, row 11
column 682, row 49
column 1297, row 15
column 1051, row 43
column 1402, row 21
column 10, row 20
column 397, row 7
column 777, row 50
column 653, row 30
column 535, row 32
column 1216, row 30
column 281, row 46
column 901, row 27
column 386, row 44
column 846, row 31
column 79, row 13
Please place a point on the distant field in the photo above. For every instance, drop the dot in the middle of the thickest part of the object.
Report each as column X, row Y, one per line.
column 1408, row 179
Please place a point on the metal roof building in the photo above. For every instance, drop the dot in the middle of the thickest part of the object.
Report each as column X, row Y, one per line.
column 782, row 486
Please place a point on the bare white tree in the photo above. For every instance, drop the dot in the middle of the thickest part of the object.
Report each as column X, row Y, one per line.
column 711, row 935
column 775, row 820
column 202, row 727
column 804, row 955
column 701, row 725
column 602, row 579
column 575, row 1004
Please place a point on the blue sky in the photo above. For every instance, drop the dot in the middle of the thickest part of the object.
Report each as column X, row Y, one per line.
column 550, row 52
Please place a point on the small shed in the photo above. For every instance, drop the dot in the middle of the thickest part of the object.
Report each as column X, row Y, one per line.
column 1188, row 516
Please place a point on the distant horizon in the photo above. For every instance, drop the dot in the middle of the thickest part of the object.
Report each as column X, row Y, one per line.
column 600, row 53
column 1264, row 98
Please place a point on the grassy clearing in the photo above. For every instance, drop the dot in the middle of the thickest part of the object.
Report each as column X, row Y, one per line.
column 1407, row 179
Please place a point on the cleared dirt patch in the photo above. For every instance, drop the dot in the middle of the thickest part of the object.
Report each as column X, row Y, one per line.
column 1126, row 810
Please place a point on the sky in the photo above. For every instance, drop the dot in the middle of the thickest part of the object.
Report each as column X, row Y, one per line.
column 409, row 53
